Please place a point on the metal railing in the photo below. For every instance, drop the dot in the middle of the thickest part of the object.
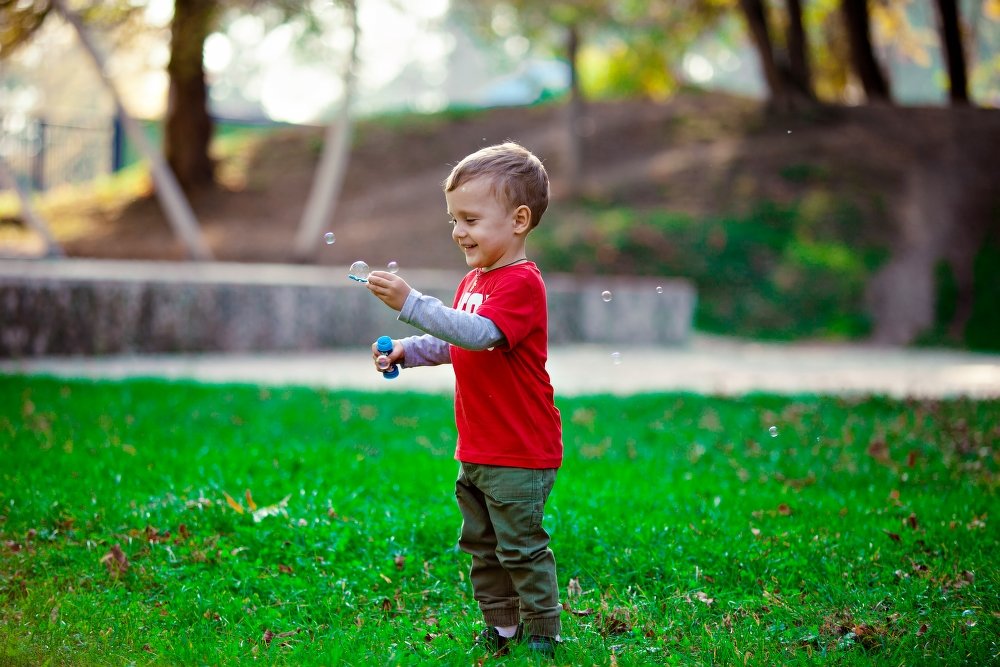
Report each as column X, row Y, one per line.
column 44, row 153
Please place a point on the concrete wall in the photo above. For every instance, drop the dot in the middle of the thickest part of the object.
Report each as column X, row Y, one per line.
column 87, row 307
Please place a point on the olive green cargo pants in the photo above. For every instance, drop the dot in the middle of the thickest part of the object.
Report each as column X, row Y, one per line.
column 513, row 570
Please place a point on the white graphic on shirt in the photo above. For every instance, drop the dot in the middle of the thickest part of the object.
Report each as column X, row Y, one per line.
column 470, row 302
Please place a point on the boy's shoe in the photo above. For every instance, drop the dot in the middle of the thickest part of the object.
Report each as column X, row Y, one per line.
column 494, row 642
column 542, row 645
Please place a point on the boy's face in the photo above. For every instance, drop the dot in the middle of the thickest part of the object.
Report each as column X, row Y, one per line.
column 489, row 233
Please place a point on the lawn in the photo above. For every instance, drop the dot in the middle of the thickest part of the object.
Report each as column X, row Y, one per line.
column 146, row 522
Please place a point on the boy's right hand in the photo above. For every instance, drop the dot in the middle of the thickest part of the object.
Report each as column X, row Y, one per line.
column 389, row 288
column 396, row 356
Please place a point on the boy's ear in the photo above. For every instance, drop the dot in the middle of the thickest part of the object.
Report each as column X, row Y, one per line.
column 522, row 219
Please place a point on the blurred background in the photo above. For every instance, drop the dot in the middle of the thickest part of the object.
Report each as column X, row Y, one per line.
column 819, row 169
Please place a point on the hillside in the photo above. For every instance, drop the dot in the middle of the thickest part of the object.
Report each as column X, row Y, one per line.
column 918, row 182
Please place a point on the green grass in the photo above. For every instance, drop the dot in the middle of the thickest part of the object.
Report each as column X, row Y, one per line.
column 865, row 530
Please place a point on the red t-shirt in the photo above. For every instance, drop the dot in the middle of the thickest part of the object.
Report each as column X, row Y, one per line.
column 504, row 402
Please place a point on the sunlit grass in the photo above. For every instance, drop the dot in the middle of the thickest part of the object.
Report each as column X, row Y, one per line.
column 298, row 526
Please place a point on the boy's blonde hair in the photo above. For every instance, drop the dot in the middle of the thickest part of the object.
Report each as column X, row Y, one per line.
column 518, row 177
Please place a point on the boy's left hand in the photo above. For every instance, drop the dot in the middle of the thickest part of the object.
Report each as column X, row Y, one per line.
column 389, row 288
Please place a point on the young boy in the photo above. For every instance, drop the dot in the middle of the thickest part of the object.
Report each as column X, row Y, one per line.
column 509, row 430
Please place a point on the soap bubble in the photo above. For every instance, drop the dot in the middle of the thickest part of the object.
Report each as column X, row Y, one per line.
column 606, row 295
column 659, row 289
column 393, row 267
column 329, row 238
column 359, row 271
column 773, row 431
column 616, row 358
column 970, row 617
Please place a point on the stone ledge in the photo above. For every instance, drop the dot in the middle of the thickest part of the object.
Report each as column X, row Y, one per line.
column 85, row 307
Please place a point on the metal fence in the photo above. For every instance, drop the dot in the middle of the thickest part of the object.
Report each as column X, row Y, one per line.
column 44, row 152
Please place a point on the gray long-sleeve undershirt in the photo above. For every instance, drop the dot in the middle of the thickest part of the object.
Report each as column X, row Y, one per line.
column 444, row 326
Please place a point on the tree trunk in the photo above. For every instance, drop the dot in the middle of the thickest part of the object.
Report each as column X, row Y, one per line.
column 949, row 27
column 188, row 127
column 329, row 177
column 798, row 51
column 574, row 117
column 863, row 61
column 789, row 82
column 756, row 17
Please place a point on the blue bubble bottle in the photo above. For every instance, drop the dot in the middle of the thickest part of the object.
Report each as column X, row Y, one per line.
column 389, row 369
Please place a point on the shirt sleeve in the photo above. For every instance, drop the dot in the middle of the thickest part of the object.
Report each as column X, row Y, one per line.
column 466, row 330
column 425, row 350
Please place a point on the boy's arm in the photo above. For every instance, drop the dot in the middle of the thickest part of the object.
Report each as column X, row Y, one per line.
column 466, row 330
column 425, row 350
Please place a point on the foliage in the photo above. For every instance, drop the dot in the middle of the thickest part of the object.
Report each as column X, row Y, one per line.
column 777, row 272
column 148, row 522
column 980, row 332
column 19, row 20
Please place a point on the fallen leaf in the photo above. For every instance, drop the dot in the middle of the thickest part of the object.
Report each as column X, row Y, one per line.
column 232, row 503
column 922, row 630
column 879, row 450
column 271, row 510
column 704, row 598
column 618, row 622
column 115, row 561
column 892, row 536
column 784, row 510
column 268, row 636
column 250, row 503
column 400, row 561
column 573, row 589
column 911, row 521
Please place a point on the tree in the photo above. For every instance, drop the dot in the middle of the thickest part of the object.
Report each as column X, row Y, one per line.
column 800, row 72
column 786, row 71
column 175, row 204
column 188, row 125
column 187, row 128
column 873, row 79
column 566, row 20
column 21, row 20
column 949, row 26
column 652, row 31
